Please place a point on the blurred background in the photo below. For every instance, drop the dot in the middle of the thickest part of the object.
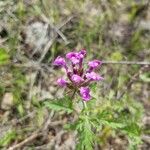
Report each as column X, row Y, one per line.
column 34, row 32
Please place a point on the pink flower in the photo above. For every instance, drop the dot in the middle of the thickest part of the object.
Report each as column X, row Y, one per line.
column 82, row 53
column 61, row 82
column 85, row 93
column 93, row 76
column 73, row 57
column 71, row 54
column 76, row 57
column 76, row 78
column 94, row 64
column 59, row 61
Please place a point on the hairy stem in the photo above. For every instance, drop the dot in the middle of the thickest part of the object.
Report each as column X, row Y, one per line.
column 85, row 107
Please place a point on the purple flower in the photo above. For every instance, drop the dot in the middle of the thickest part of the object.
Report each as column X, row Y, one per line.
column 85, row 93
column 71, row 54
column 76, row 57
column 61, row 82
column 94, row 64
column 79, row 79
column 93, row 76
column 59, row 61
column 73, row 57
column 75, row 60
column 82, row 53
column 76, row 78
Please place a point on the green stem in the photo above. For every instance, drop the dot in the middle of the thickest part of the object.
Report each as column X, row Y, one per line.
column 73, row 94
column 85, row 106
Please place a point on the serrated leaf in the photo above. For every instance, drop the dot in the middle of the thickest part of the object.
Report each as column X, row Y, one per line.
column 85, row 134
column 58, row 106
column 132, row 129
column 114, row 125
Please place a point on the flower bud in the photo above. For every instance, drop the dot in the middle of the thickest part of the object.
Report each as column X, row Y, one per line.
column 61, row 82
column 76, row 79
column 94, row 64
column 93, row 76
column 85, row 93
column 59, row 61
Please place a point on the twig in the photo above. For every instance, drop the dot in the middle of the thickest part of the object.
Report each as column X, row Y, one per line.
column 55, row 28
column 38, row 66
column 27, row 140
column 37, row 133
column 52, row 40
column 65, row 22
column 127, row 62
column 52, row 142
column 49, row 44
column 134, row 77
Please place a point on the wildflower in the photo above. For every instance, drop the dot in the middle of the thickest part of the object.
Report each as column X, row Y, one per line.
column 59, row 61
column 61, row 82
column 76, row 78
column 93, row 76
column 73, row 57
column 94, row 64
column 79, row 79
column 85, row 93
column 82, row 54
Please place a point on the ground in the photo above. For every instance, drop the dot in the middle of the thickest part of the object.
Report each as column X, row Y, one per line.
column 34, row 32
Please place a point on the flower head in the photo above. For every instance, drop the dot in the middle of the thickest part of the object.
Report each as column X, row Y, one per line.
column 94, row 64
column 76, row 79
column 59, row 61
column 85, row 93
column 61, row 82
column 93, row 76
column 73, row 57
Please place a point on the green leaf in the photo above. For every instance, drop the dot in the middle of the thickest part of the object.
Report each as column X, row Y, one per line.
column 57, row 107
column 145, row 77
column 86, row 136
column 123, row 116
column 4, row 57
column 7, row 138
column 132, row 129
column 64, row 104
column 20, row 109
column 114, row 125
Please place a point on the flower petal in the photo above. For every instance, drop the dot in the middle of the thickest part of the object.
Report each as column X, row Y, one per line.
column 93, row 76
column 61, row 82
column 94, row 64
column 85, row 93
column 59, row 61
column 76, row 78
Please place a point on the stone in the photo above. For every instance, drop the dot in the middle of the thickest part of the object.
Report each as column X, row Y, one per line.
column 7, row 101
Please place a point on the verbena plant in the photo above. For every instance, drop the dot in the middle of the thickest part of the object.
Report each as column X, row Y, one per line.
column 96, row 118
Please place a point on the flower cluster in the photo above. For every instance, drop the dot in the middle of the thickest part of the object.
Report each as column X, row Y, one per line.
column 79, row 79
